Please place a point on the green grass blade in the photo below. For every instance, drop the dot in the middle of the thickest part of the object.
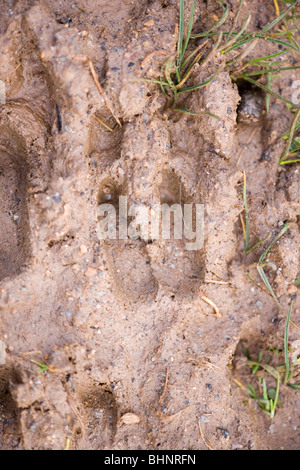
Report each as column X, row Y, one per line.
column 268, row 285
column 258, row 244
column 286, row 345
column 193, row 113
column 277, row 20
column 276, row 398
column 42, row 367
column 191, row 22
column 282, row 232
column 150, row 80
column 180, row 38
column 169, row 68
column 256, row 368
column 239, row 34
column 267, row 71
column 252, row 391
column 265, row 88
column 290, row 138
column 269, row 369
column 200, row 85
column 289, row 162
column 162, row 88
column 293, row 42
column 294, row 386
column 271, row 56
column 276, row 41
column 265, row 391
column 191, row 55
column 246, row 38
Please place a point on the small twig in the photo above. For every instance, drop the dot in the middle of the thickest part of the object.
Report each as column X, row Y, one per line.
column 243, row 226
column 27, row 353
column 175, row 414
column 101, row 91
column 202, row 436
column 67, row 446
column 256, row 284
column 14, row 71
column 222, row 283
column 276, row 8
column 203, row 44
column 103, row 124
column 212, row 304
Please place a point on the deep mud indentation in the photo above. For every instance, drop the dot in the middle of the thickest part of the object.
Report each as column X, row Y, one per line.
column 100, row 410
column 252, row 104
column 14, row 237
column 176, row 268
column 104, row 145
column 10, row 431
column 128, row 259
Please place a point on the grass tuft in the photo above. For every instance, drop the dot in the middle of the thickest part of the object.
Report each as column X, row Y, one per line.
column 263, row 374
column 262, row 263
column 292, row 150
column 178, row 69
column 42, row 367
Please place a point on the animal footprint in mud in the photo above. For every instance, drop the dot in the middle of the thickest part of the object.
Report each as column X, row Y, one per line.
column 163, row 253
column 177, row 268
column 128, row 259
column 10, row 429
column 14, row 238
column 99, row 419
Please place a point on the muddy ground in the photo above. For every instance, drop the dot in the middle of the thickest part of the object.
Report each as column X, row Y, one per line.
column 121, row 325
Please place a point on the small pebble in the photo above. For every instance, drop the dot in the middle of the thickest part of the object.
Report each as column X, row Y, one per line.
column 90, row 272
column 225, row 433
column 2, row 353
column 149, row 23
column 204, row 419
column 292, row 290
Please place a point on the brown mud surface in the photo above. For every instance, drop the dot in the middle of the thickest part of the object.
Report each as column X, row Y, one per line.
column 121, row 325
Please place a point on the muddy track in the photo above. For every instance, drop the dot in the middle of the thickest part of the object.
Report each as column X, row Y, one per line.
column 121, row 324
